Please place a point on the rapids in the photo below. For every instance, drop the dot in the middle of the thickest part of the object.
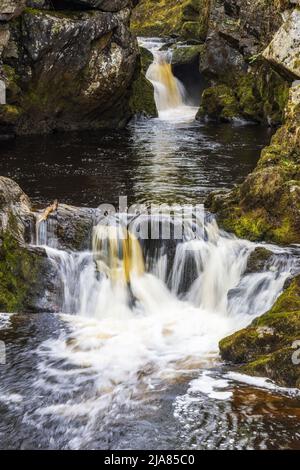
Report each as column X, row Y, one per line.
column 131, row 361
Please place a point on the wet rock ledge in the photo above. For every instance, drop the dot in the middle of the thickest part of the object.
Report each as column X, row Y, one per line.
column 67, row 65
column 270, row 346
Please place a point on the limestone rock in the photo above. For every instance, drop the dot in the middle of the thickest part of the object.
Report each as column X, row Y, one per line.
column 284, row 50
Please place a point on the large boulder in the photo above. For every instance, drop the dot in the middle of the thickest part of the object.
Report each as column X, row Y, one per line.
column 15, row 209
column 284, row 50
column 69, row 70
column 67, row 227
column 267, row 347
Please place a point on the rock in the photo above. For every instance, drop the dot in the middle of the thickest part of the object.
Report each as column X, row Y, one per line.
column 238, row 32
column 103, row 5
column 284, row 50
column 142, row 101
column 266, row 206
column 70, row 227
column 265, row 348
column 40, row 4
column 10, row 9
column 258, row 260
column 218, row 104
column 15, row 209
column 68, row 70
column 26, row 276
column 146, row 58
column 183, row 55
column 185, row 18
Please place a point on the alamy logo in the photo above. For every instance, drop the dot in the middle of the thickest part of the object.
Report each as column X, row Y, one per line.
column 2, row 92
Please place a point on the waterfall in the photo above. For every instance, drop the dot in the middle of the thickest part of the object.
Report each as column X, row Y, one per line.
column 146, row 313
column 117, row 252
column 204, row 273
column 169, row 92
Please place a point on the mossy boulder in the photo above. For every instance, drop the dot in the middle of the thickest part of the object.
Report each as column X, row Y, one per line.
column 258, row 260
column 218, row 103
column 186, row 54
column 146, row 58
column 162, row 18
column 266, row 206
column 20, row 271
column 26, row 279
column 266, row 347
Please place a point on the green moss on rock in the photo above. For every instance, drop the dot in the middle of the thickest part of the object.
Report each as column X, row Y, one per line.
column 266, row 347
column 142, row 92
column 186, row 54
column 266, row 206
column 185, row 18
column 19, row 273
column 218, row 103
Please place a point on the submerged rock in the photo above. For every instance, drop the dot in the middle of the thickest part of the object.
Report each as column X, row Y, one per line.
column 267, row 347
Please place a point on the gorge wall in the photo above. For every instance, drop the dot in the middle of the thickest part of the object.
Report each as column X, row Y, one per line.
column 67, row 65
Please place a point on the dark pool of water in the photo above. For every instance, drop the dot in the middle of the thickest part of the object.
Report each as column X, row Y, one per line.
column 153, row 161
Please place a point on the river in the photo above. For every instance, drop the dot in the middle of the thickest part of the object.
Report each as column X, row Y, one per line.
column 132, row 361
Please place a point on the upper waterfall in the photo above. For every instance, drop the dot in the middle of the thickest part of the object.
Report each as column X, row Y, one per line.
column 169, row 92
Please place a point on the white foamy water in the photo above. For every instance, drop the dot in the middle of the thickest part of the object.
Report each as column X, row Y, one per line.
column 134, row 331
column 169, row 92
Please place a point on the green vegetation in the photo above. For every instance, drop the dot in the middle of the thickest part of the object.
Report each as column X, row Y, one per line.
column 265, row 347
column 19, row 273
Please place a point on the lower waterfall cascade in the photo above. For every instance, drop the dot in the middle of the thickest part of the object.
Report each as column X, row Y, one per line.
column 141, row 316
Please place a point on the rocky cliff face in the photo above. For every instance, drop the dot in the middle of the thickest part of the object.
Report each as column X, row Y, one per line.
column 267, row 205
column 67, row 65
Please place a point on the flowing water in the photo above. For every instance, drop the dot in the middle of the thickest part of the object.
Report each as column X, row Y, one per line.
column 132, row 362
